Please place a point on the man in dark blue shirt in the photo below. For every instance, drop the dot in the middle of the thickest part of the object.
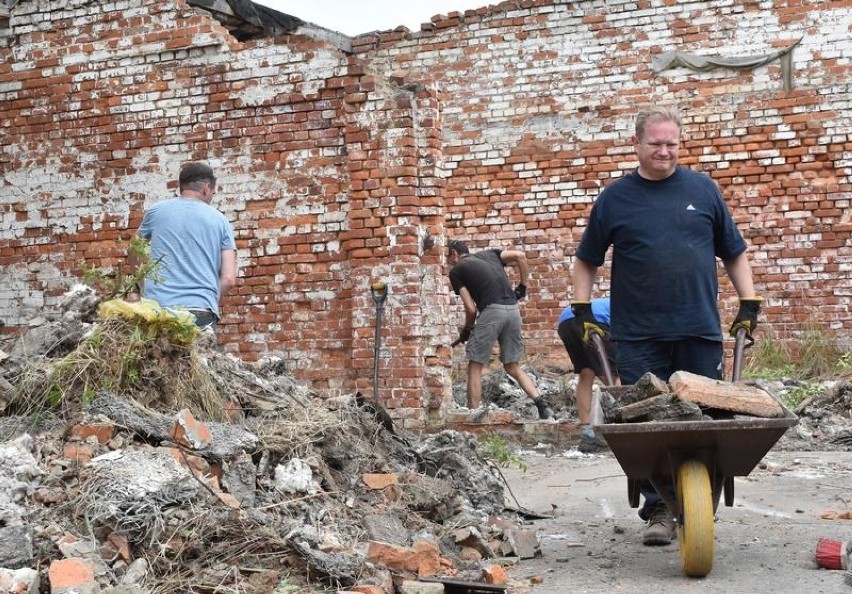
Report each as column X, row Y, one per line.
column 667, row 225
column 491, row 315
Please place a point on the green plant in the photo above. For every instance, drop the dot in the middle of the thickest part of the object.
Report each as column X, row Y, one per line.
column 117, row 283
column 769, row 358
column 844, row 364
column 818, row 352
column 496, row 448
column 793, row 397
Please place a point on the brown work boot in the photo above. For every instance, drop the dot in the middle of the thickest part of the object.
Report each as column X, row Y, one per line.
column 661, row 527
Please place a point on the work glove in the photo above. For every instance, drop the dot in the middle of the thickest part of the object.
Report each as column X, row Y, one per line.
column 521, row 291
column 747, row 316
column 585, row 321
column 464, row 334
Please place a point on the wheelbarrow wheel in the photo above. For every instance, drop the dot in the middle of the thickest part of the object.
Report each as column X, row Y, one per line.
column 695, row 524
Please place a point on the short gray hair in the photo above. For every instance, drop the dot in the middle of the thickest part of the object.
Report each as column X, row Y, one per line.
column 194, row 175
column 656, row 114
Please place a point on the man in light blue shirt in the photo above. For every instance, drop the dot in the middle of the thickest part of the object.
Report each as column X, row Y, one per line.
column 194, row 245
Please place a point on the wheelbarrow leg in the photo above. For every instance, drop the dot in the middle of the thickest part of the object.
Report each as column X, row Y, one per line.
column 633, row 491
column 729, row 491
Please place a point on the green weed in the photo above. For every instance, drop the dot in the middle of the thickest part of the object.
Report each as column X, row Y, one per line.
column 818, row 353
column 115, row 284
column 496, row 448
column 815, row 354
column 793, row 397
column 769, row 358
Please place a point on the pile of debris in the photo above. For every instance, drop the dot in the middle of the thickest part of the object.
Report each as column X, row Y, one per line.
column 136, row 461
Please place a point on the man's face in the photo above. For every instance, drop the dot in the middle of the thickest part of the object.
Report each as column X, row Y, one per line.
column 452, row 257
column 657, row 149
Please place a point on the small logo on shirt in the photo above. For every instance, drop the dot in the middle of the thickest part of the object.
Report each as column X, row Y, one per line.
column 690, row 207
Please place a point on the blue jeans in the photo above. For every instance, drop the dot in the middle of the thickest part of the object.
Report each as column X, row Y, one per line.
column 662, row 358
column 204, row 318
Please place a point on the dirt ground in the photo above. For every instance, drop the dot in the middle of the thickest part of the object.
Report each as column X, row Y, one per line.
column 764, row 543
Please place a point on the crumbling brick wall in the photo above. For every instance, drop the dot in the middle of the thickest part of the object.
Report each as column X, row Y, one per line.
column 328, row 173
column 499, row 126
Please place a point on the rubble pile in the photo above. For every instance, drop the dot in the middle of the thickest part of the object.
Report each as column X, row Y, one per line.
column 825, row 418
column 137, row 464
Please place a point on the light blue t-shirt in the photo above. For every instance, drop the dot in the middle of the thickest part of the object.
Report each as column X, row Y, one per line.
column 189, row 235
column 600, row 309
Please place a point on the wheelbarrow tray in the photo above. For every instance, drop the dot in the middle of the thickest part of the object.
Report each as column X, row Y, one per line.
column 728, row 447
column 738, row 445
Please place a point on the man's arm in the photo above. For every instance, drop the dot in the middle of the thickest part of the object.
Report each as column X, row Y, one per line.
column 469, row 308
column 517, row 259
column 739, row 271
column 583, row 277
column 227, row 271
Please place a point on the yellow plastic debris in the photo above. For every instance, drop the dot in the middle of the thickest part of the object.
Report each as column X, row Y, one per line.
column 145, row 309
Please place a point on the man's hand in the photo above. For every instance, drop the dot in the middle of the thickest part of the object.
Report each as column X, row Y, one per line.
column 585, row 320
column 521, row 291
column 464, row 334
column 747, row 316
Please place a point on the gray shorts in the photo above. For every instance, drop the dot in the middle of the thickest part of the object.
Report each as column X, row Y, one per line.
column 498, row 323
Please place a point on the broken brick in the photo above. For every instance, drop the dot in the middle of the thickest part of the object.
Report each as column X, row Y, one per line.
column 103, row 432
column 380, row 481
column 68, row 574
column 190, row 433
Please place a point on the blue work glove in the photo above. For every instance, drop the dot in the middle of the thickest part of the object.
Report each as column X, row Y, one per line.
column 521, row 291
column 747, row 316
column 585, row 321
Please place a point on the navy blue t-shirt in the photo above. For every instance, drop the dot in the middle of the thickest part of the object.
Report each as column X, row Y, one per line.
column 485, row 277
column 666, row 236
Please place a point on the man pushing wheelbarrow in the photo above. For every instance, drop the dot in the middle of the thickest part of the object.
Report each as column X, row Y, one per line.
column 667, row 225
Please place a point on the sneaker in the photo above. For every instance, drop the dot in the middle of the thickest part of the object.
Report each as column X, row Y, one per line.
column 660, row 530
column 544, row 411
column 591, row 443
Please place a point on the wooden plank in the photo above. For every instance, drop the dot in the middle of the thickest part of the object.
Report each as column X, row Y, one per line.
column 733, row 396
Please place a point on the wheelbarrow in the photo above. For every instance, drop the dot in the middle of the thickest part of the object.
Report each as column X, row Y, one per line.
column 701, row 459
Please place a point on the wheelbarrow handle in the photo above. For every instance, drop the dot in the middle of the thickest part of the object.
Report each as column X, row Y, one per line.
column 600, row 347
column 740, row 343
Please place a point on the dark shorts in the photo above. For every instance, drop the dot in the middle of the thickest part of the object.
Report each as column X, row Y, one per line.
column 582, row 355
column 635, row 358
column 501, row 324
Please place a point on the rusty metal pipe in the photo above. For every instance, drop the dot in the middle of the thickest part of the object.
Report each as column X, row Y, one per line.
column 379, row 292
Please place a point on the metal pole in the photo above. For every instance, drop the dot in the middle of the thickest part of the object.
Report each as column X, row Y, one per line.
column 379, row 292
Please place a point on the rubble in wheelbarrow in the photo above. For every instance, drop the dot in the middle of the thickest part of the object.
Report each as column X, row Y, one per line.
column 149, row 467
column 686, row 397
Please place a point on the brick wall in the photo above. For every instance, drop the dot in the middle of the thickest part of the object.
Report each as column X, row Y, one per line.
column 499, row 126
